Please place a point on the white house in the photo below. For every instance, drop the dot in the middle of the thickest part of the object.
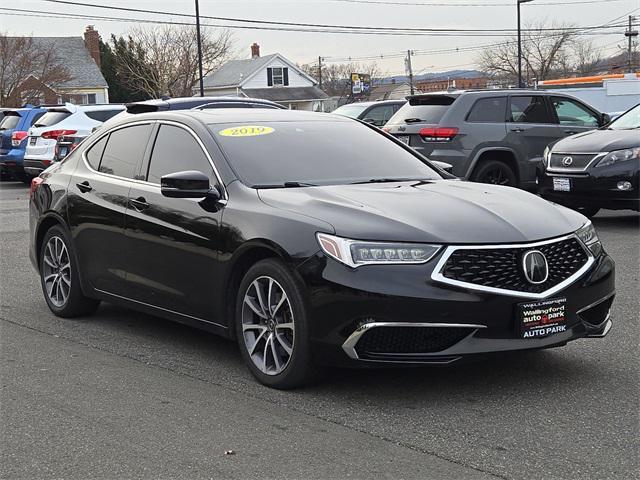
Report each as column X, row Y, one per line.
column 272, row 77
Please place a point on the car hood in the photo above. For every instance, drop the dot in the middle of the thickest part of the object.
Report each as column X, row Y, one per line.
column 595, row 141
column 443, row 211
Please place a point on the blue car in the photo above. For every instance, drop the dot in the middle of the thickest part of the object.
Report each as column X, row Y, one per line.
column 14, row 126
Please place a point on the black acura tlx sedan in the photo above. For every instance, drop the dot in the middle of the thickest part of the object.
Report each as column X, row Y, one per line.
column 311, row 239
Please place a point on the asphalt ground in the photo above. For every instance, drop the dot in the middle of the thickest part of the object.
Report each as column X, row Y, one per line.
column 126, row 395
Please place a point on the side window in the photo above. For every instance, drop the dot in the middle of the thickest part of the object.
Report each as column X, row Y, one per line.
column 102, row 115
column 124, row 151
column 380, row 115
column 488, row 110
column 571, row 112
column 94, row 154
column 277, row 76
column 175, row 150
column 529, row 109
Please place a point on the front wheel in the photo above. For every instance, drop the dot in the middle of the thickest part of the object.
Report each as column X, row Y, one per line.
column 59, row 277
column 272, row 326
column 495, row 172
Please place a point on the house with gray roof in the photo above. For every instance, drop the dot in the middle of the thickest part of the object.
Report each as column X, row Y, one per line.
column 271, row 77
column 80, row 57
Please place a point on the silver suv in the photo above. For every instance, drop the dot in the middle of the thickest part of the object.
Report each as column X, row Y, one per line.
column 491, row 136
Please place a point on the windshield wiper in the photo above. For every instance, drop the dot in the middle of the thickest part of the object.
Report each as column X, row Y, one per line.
column 286, row 185
column 385, row 180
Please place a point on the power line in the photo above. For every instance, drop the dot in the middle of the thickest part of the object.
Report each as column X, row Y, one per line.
column 50, row 14
column 313, row 25
column 432, row 4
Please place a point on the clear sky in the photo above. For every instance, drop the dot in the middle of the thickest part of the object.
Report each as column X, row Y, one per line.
column 306, row 47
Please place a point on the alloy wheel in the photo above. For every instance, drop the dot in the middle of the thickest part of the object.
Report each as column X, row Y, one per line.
column 56, row 271
column 496, row 176
column 268, row 325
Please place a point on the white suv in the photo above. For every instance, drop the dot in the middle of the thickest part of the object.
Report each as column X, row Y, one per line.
column 68, row 119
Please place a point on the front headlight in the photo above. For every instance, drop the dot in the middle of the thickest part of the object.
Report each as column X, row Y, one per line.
column 587, row 235
column 547, row 156
column 355, row 253
column 619, row 156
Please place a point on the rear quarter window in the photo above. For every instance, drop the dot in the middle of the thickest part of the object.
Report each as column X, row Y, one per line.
column 488, row 110
column 102, row 115
column 429, row 109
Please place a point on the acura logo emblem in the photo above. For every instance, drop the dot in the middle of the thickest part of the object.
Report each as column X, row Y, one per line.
column 535, row 267
column 566, row 161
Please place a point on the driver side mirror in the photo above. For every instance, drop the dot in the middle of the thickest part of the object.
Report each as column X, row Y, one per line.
column 604, row 119
column 188, row 184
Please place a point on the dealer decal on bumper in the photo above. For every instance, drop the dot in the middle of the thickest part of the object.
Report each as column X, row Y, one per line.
column 540, row 319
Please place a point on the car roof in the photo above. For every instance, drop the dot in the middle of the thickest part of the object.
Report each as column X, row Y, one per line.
column 246, row 116
column 190, row 102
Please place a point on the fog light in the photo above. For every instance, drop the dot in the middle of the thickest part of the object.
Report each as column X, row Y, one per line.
column 624, row 185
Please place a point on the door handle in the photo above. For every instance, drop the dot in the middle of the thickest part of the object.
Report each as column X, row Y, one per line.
column 570, row 132
column 139, row 203
column 84, row 187
column 517, row 130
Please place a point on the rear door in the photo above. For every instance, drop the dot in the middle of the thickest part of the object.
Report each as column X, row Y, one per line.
column 530, row 128
column 97, row 196
column 174, row 241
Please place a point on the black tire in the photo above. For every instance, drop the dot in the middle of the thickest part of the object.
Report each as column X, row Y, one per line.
column 495, row 172
column 75, row 304
column 24, row 178
column 298, row 370
column 5, row 177
column 588, row 212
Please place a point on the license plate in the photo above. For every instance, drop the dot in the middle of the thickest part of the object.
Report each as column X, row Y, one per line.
column 561, row 184
column 543, row 318
column 404, row 139
column 62, row 152
column 33, row 140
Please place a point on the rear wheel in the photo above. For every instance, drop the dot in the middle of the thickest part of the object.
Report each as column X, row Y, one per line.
column 495, row 172
column 272, row 326
column 59, row 277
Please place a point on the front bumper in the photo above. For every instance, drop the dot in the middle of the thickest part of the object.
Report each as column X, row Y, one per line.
column 594, row 188
column 347, row 305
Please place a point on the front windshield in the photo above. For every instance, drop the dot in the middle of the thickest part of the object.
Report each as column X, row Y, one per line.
column 352, row 110
column 628, row 120
column 320, row 152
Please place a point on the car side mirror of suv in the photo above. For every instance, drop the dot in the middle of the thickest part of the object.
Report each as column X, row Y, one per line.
column 187, row 184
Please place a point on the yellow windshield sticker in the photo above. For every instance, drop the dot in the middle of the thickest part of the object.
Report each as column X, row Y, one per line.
column 246, row 131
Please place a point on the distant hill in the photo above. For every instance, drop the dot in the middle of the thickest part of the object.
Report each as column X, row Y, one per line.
column 432, row 76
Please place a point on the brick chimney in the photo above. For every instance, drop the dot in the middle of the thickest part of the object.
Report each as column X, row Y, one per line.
column 255, row 51
column 92, row 42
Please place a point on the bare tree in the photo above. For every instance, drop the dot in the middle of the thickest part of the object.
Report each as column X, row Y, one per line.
column 167, row 59
column 544, row 52
column 588, row 59
column 22, row 58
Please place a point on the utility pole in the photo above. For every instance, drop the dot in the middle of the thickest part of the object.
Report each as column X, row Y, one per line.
column 520, row 82
column 199, row 40
column 320, row 72
column 630, row 34
column 409, row 70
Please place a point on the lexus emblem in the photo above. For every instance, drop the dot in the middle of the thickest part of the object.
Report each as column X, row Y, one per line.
column 535, row 267
column 566, row 161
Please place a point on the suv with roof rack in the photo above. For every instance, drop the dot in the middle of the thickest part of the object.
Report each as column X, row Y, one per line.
column 491, row 136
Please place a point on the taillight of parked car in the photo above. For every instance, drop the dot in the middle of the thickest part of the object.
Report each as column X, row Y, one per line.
column 54, row 134
column 35, row 183
column 17, row 137
column 438, row 134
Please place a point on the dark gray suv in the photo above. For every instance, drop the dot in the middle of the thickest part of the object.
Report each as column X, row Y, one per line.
column 491, row 136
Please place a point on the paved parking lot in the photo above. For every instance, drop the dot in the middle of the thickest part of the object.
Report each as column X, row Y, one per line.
column 127, row 395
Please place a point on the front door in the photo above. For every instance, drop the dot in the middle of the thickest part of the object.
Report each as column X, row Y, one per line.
column 97, row 201
column 573, row 116
column 173, row 241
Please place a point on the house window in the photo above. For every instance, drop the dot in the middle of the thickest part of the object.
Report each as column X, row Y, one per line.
column 91, row 98
column 278, row 76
